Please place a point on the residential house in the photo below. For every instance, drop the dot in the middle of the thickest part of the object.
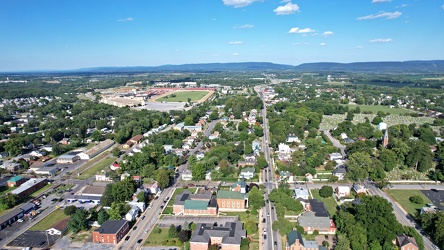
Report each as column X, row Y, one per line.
column 359, row 189
column 335, row 156
column 247, row 173
column 231, row 201
column 16, row 181
column 200, row 155
column 187, row 175
column 111, row 231
column 292, row 138
column 284, row 152
column 38, row 153
column 64, row 141
column 296, row 242
column 287, row 176
column 11, row 166
column 301, row 193
column 179, row 126
column 195, row 204
column 3, row 155
column 256, row 146
column 193, row 128
column 226, row 237
column 114, row 166
column 168, row 148
column 340, row 172
column 342, row 191
column 59, row 228
column 132, row 214
column 405, row 242
column 153, row 188
column 430, row 208
column 249, row 160
column 317, row 218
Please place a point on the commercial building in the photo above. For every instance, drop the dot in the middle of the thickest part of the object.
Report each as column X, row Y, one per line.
column 67, row 159
column 195, row 204
column 16, row 181
column 111, row 231
column 94, row 151
column 30, row 187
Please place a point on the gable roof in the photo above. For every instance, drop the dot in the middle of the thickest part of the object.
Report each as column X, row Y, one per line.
column 308, row 219
column 405, row 240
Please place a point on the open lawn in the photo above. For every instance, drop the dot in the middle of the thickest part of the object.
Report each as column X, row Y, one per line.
column 157, row 239
column 329, row 202
column 243, row 216
column 49, row 220
column 376, row 108
column 96, row 168
column 402, row 197
column 182, row 96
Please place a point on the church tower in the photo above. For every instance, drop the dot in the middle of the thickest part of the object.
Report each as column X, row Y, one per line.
column 385, row 140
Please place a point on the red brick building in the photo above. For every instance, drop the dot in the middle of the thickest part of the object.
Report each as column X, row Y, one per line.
column 111, row 231
column 227, row 237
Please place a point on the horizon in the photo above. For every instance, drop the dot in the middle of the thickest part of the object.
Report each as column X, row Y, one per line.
column 60, row 36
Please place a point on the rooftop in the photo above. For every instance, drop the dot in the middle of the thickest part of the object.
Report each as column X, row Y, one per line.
column 29, row 183
column 195, row 205
column 15, row 178
column 318, row 207
column 111, row 226
column 231, row 233
column 226, row 194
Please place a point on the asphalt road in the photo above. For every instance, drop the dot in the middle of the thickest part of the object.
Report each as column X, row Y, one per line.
column 335, row 142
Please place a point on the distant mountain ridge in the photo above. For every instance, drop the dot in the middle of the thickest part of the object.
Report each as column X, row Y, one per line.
column 431, row 66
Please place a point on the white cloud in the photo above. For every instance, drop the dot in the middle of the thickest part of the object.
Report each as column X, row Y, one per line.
column 235, row 54
column 327, row 33
column 322, row 44
column 236, row 42
column 301, row 31
column 304, row 43
column 442, row 6
column 128, row 19
column 245, row 26
column 359, row 47
column 380, row 40
column 239, row 3
column 381, row 1
column 382, row 14
column 287, row 9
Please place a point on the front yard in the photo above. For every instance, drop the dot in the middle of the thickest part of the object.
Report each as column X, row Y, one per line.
column 403, row 196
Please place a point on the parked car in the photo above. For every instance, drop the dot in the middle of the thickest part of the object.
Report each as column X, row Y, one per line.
column 127, row 237
column 134, row 228
column 20, row 220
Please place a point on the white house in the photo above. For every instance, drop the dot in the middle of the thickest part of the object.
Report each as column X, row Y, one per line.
column 343, row 136
column 292, row 138
column 132, row 214
column 103, row 176
column 247, row 173
column 200, row 155
column 335, row 156
column 286, row 175
column 359, row 189
column 342, row 191
column 152, row 187
column 301, row 193
column 284, row 148
column 208, row 175
column 187, row 175
column 340, row 172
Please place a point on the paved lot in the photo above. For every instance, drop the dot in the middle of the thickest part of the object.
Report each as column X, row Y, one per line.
column 33, row 239
column 167, row 221
column 435, row 196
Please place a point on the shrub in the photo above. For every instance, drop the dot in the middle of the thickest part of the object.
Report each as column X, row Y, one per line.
column 326, row 191
column 416, row 199
column 315, row 232
column 157, row 230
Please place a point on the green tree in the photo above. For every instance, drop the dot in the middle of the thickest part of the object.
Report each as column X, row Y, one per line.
column 358, row 165
column 261, row 162
column 107, row 197
column 199, row 170
column 163, row 179
column 78, row 221
column 251, row 227
column 172, row 232
column 283, row 226
column 184, row 235
column 388, row 159
column 69, row 210
column 416, row 199
column 102, row 216
column 376, row 120
column 326, row 191
column 141, row 196
column 256, row 198
column 116, row 151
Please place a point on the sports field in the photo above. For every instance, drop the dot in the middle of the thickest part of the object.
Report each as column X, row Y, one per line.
column 182, row 96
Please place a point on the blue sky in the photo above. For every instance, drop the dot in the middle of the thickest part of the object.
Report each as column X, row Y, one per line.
column 70, row 34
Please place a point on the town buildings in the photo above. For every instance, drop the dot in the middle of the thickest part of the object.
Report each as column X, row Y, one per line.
column 227, row 237
column 111, row 231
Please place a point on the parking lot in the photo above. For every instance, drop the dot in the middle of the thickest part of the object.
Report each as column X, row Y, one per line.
column 167, row 221
column 436, row 196
column 34, row 239
column 8, row 231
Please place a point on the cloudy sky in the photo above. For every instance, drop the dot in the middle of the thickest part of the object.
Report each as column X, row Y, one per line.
column 70, row 34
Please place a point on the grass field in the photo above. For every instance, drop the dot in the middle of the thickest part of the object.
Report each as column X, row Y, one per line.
column 182, row 96
column 161, row 238
column 376, row 108
column 49, row 220
column 96, row 168
column 329, row 202
column 402, row 197
column 41, row 190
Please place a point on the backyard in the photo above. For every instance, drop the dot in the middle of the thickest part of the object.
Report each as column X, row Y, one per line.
column 403, row 196
column 49, row 220
column 182, row 96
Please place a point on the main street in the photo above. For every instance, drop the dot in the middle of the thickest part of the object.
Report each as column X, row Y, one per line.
column 268, row 211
